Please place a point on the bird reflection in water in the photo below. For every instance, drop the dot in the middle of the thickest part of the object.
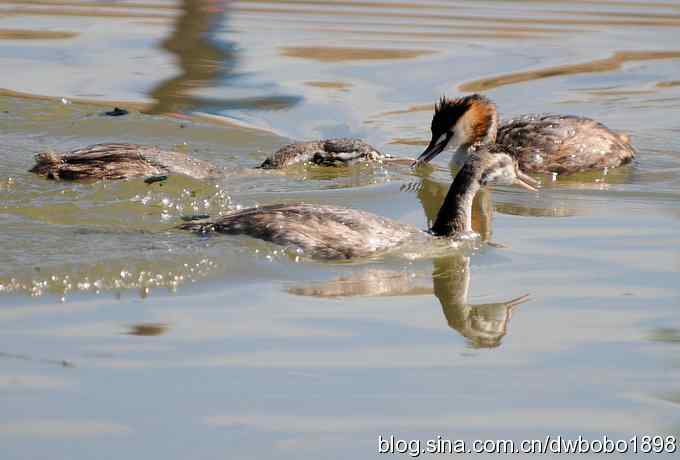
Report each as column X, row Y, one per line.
column 372, row 282
column 200, row 59
column 207, row 61
column 483, row 325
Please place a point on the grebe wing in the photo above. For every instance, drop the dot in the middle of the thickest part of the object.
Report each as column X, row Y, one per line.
column 564, row 144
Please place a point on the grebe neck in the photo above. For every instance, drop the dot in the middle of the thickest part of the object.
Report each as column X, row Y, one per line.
column 455, row 215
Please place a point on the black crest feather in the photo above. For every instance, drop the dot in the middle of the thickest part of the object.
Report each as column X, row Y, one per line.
column 448, row 111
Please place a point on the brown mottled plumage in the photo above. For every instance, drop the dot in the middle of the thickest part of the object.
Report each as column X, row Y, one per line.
column 562, row 144
column 120, row 161
column 328, row 152
column 330, row 232
column 322, row 232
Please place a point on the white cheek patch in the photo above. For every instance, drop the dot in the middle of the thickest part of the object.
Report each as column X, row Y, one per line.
column 455, row 143
column 459, row 135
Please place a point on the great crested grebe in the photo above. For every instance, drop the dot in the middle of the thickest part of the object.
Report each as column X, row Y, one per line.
column 329, row 232
column 561, row 144
column 122, row 161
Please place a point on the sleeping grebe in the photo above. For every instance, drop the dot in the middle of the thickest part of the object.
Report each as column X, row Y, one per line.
column 329, row 232
column 561, row 144
column 122, row 161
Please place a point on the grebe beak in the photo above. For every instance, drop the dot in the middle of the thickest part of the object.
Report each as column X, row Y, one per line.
column 526, row 181
column 518, row 301
column 524, row 185
column 433, row 149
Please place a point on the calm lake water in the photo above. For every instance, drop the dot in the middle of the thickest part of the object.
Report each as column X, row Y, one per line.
column 123, row 338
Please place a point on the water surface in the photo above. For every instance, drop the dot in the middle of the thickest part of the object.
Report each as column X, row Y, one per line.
column 122, row 337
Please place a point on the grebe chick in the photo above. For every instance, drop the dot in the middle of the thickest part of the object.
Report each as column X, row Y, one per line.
column 562, row 144
column 330, row 232
column 120, row 161
column 327, row 152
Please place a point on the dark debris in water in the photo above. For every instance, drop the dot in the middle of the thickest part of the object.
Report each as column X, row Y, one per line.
column 116, row 112
column 153, row 179
column 148, row 329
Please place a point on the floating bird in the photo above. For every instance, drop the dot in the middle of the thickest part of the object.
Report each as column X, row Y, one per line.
column 561, row 144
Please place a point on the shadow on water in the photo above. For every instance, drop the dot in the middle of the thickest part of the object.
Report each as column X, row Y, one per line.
column 205, row 61
column 609, row 64
column 148, row 329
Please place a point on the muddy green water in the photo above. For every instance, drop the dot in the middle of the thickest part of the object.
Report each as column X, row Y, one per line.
column 123, row 338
